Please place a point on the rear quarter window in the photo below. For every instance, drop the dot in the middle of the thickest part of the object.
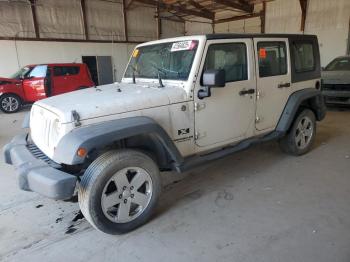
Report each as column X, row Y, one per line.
column 303, row 57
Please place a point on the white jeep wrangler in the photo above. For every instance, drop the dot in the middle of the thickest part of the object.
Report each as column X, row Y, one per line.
column 182, row 102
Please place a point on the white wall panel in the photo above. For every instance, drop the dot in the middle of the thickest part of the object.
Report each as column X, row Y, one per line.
column 16, row 19
column 104, row 20
column 283, row 16
column 33, row 52
column 171, row 28
column 142, row 24
column 60, row 19
column 251, row 25
column 197, row 28
column 328, row 19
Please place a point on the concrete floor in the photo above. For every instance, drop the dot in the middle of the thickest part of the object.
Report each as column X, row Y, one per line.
column 257, row 205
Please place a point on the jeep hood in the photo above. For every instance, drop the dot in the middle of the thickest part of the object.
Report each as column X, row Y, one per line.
column 111, row 99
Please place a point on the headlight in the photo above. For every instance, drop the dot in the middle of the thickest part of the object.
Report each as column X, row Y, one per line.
column 55, row 132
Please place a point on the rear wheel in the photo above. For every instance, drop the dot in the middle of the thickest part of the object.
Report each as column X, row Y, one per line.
column 119, row 191
column 10, row 103
column 301, row 135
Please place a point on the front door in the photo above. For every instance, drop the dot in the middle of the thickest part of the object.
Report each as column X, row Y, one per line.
column 228, row 114
column 34, row 84
column 273, row 81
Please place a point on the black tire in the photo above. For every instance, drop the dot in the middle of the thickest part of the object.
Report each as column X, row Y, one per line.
column 97, row 181
column 292, row 142
column 10, row 103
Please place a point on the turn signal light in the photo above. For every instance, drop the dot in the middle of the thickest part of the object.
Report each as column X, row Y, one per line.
column 81, row 152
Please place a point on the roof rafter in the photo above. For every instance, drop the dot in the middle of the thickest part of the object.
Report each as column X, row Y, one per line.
column 202, row 8
column 236, row 18
column 178, row 9
column 249, row 8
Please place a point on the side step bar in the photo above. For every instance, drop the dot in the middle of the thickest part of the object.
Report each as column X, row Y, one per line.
column 197, row 160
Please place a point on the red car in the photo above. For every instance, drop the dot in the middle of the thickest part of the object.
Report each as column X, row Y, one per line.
column 35, row 82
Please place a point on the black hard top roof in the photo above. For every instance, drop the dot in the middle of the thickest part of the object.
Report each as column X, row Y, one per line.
column 234, row 36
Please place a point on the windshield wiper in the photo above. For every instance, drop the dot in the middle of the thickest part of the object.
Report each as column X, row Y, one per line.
column 159, row 70
column 133, row 74
column 160, row 80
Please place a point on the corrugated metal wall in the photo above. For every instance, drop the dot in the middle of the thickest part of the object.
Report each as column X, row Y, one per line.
column 63, row 19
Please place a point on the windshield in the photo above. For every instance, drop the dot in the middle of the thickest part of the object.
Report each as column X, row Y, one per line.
column 339, row 64
column 22, row 73
column 171, row 60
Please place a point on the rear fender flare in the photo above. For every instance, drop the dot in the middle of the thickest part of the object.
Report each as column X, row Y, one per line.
column 309, row 97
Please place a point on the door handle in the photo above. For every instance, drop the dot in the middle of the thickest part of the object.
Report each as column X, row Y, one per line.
column 281, row 85
column 246, row 92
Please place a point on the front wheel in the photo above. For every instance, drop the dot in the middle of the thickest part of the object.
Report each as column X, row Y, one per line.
column 119, row 191
column 10, row 103
column 301, row 135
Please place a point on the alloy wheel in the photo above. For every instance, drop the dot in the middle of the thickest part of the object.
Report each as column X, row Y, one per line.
column 10, row 104
column 126, row 195
column 304, row 132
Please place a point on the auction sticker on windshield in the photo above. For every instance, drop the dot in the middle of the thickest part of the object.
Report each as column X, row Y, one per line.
column 181, row 46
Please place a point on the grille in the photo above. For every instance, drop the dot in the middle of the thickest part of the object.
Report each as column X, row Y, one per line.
column 37, row 153
column 41, row 121
column 337, row 87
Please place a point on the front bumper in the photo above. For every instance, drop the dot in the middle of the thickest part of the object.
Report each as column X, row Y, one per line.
column 337, row 97
column 36, row 175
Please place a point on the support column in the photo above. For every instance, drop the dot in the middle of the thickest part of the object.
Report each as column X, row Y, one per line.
column 35, row 21
column 263, row 18
column 303, row 6
column 159, row 23
column 125, row 20
column 83, row 11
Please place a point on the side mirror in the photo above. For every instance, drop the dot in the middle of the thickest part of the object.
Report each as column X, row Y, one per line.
column 212, row 78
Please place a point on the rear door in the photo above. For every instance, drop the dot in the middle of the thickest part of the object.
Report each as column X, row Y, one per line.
column 273, row 80
column 34, row 84
column 65, row 79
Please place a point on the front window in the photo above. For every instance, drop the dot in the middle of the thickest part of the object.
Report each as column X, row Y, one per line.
column 232, row 57
column 38, row 71
column 22, row 73
column 171, row 60
column 339, row 64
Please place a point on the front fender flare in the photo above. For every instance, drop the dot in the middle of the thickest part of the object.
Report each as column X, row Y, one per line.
column 103, row 134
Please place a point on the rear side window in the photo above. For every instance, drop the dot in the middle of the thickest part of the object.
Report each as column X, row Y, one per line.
column 65, row 70
column 272, row 58
column 304, row 60
column 231, row 57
